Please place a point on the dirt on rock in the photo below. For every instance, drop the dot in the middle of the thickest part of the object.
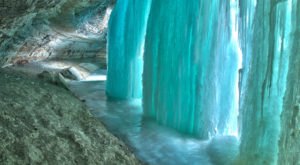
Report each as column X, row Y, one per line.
column 41, row 123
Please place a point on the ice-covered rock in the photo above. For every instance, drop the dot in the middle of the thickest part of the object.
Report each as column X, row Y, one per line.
column 223, row 150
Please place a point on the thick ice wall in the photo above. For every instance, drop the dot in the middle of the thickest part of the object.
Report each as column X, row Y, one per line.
column 266, row 44
column 127, row 28
column 190, row 66
column 289, row 145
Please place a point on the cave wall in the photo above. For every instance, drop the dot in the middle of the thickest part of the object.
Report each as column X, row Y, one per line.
column 41, row 29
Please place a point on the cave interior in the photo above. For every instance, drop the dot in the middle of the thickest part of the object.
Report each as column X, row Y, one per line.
column 178, row 82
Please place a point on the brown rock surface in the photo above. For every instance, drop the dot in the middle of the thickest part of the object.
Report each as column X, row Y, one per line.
column 41, row 123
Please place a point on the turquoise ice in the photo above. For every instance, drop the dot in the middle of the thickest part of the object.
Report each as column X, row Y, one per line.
column 214, row 68
column 191, row 67
column 126, row 36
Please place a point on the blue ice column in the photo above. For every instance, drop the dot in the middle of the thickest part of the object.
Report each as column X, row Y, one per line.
column 126, row 34
column 190, row 66
column 266, row 37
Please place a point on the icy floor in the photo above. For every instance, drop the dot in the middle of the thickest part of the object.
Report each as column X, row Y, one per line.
column 152, row 143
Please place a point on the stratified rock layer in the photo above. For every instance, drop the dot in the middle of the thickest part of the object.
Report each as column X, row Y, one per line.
column 40, row 29
column 42, row 123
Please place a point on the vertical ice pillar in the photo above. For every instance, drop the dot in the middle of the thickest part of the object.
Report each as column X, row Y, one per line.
column 290, row 118
column 190, row 66
column 289, row 143
column 220, row 93
column 266, row 36
column 126, row 36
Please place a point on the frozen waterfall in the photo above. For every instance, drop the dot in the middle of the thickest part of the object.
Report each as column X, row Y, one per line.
column 191, row 64
column 212, row 68
column 267, row 46
column 126, row 36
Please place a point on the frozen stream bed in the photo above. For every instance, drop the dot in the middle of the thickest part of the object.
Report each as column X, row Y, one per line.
column 152, row 143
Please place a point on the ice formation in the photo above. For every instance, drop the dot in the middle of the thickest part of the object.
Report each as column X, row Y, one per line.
column 209, row 65
column 267, row 29
column 191, row 66
column 126, row 35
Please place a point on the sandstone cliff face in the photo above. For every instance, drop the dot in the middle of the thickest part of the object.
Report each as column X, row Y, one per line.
column 40, row 29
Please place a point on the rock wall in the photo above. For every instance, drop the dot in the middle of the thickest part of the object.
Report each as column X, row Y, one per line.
column 40, row 29
column 42, row 123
